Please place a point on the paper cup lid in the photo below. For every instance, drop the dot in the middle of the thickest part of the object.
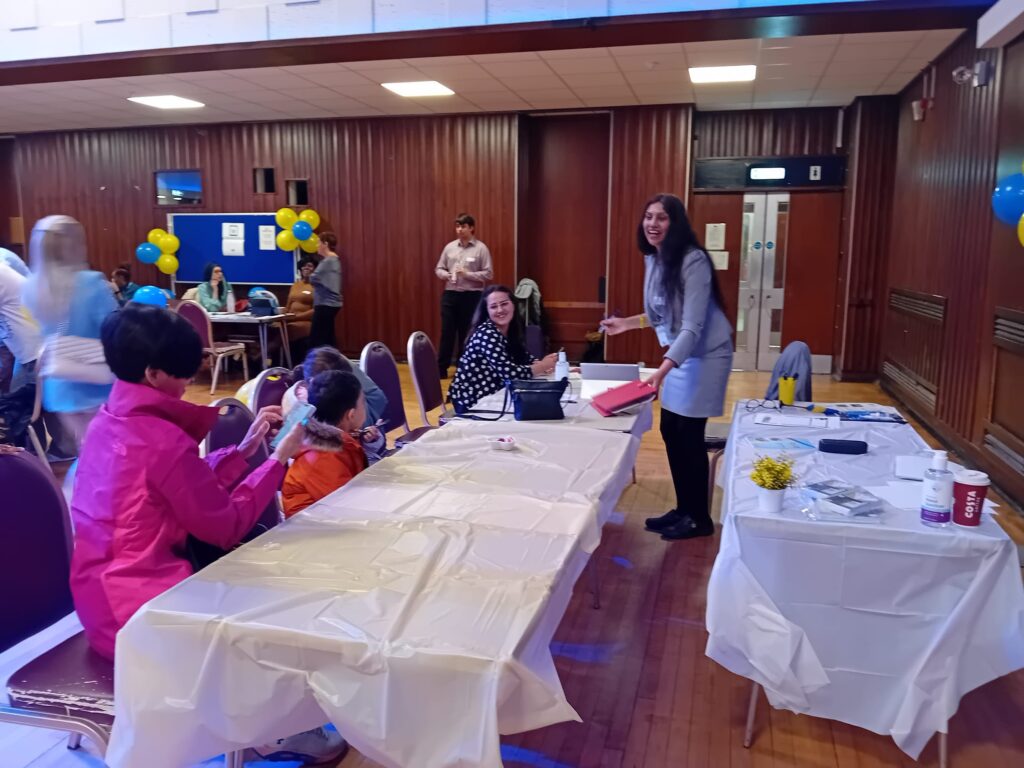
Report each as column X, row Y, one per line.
column 972, row 477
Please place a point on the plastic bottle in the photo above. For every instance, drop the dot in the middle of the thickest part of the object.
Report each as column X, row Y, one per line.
column 562, row 366
column 937, row 493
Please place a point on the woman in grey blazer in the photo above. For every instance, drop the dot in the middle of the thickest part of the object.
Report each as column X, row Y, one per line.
column 683, row 304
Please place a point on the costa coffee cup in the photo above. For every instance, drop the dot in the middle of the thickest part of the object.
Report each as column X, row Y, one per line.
column 969, row 490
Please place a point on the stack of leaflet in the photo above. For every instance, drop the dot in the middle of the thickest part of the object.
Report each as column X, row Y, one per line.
column 834, row 500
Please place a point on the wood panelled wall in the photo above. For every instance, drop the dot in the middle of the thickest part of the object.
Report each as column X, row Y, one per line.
column 650, row 148
column 942, row 254
column 1000, row 423
column 871, row 126
column 389, row 188
column 765, row 132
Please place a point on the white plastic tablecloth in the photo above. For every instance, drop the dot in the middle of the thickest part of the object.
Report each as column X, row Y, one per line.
column 884, row 626
column 413, row 608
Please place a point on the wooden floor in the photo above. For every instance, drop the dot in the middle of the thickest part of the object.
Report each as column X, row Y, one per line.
column 636, row 671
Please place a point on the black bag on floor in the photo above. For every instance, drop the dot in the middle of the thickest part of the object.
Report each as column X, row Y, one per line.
column 16, row 415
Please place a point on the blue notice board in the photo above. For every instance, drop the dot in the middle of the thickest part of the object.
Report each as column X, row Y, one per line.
column 201, row 236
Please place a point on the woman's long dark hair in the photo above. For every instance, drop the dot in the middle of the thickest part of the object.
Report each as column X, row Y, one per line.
column 208, row 273
column 679, row 240
column 516, row 334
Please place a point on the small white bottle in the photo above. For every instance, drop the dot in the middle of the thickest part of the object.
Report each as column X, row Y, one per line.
column 937, row 493
column 561, row 366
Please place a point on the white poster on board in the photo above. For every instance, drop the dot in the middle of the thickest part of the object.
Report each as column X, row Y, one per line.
column 233, row 247
column 267, row 237
column 720, row 259
column 714, row 237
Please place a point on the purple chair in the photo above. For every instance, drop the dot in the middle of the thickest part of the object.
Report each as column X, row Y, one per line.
column 230, row 430
column 218, row 350
column 378, row 363
column 69, row 687
column 270, row 387
column 423, row 366
column 535, row 341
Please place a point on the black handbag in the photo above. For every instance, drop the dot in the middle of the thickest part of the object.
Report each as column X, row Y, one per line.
column 537, row 400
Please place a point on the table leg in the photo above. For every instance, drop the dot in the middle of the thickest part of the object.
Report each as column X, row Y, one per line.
column 943, row 750
column 748, row 734
column 234, row 759
column 263, row 345
column 283, row 326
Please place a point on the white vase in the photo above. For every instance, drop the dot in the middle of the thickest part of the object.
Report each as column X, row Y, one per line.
column 769, row 500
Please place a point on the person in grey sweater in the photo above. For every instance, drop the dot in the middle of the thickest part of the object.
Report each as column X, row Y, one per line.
column 683, row 304
column 326, row 280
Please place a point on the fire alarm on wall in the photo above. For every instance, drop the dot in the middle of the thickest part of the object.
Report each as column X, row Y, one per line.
column 918, row 107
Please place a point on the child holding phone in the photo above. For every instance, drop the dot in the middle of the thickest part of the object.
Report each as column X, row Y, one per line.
column 331, row 455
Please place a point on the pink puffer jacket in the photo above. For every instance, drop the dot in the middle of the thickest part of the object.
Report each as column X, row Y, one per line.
column 140, row 489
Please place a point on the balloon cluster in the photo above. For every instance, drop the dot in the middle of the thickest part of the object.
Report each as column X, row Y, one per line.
column 1008, row 202
column 159, row 249
column 297, row 230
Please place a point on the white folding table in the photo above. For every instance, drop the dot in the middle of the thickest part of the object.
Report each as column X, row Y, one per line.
column 413, row 608
column 883, row 626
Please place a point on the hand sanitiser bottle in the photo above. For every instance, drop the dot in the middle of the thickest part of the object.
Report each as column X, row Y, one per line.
column 561, row 366
column 937, row 493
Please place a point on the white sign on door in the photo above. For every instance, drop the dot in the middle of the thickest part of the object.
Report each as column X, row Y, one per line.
column 714, row 237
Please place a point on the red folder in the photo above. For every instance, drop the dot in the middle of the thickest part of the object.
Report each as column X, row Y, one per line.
column 620, row 398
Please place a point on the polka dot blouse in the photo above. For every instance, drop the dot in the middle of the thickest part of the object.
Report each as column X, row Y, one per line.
column 486, row 364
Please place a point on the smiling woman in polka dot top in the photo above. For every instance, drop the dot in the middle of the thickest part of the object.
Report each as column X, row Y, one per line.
column 495, row 351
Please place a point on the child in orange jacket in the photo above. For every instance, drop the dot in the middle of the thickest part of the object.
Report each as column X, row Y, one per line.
column 330, row 456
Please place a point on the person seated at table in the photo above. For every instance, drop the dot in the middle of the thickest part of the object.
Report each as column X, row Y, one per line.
column 122, row 285
column 300, row 304
column 332, row 454
column 215, row 293
column 495, row 352
column 141, row 487
column 330, row 359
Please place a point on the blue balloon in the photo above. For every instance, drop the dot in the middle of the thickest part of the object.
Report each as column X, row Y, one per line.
column 150, row 294
column 1008, row 199
column 302, row 230
column 147, row 253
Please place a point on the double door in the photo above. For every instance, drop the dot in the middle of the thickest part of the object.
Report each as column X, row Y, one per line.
column 761, row 302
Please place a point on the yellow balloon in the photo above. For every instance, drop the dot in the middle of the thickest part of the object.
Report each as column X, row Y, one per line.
column 155, row 235
column 311, row 217
column 285, row 217
column 167, row 263
column 286, row 240
column 1020, row 230
column 310, row 244
column 169, row 244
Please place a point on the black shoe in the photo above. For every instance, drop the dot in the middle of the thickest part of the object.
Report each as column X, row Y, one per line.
column 687, row 528
column 659, row 524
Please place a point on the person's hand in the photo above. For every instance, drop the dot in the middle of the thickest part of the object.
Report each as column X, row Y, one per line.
column 214, row 279
column 290, row 444
column 613, row 326
column 267, row 417
column 7, row 450
column 660, row 374
column 370, row 435
column 545, row 365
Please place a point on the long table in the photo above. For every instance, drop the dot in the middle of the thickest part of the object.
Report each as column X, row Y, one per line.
column 413, row 608
column 883, row 626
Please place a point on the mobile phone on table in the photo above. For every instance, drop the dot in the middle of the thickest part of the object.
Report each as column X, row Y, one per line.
column 299, row 414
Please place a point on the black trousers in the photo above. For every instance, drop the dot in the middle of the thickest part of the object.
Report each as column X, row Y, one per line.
column 322, row 332
column 457, row 308
column 688, row 461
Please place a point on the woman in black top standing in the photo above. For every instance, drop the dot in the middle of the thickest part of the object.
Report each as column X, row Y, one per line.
column 495, row 353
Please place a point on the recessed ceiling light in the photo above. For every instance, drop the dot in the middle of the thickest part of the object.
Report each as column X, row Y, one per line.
column 166, row 102
column 419, row 88
column 740, row 74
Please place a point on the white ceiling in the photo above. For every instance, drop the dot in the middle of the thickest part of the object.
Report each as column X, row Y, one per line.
column 827, row 70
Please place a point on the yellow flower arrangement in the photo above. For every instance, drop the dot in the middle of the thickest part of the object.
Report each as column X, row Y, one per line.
column 773, row 474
